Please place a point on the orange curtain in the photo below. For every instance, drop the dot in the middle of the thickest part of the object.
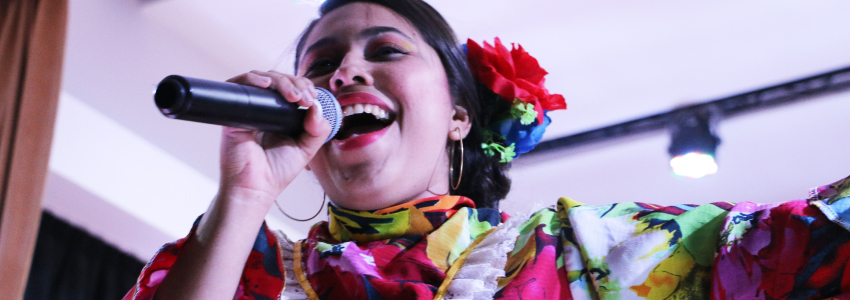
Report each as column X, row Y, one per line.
column 32, row 39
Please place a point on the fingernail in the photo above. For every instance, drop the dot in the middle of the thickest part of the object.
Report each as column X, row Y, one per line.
column 266, row 79
column 296, row 92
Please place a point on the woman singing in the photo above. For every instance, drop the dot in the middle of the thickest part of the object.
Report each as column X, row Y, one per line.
column 415, row 175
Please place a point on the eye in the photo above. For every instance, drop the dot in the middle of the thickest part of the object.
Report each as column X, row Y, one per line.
column 388, row 52
column 320, row 67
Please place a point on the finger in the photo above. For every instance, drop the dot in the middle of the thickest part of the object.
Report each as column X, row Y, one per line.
column 253, row 79
column 270, row 140
column 264, row 139
column 238, row 78
column 238, row 134
column 284, row 85
column 316, row 130
column 231, row 138
column 306, row 87
column 302, row 85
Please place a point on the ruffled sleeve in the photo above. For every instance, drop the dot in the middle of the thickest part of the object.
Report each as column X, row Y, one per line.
column 788, row 250
column 616, row 251
column 640, row 251
column 262, row 277
column 791, row 250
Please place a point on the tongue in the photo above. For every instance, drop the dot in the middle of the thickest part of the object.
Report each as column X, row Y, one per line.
column 354, row 131
column 360, row 124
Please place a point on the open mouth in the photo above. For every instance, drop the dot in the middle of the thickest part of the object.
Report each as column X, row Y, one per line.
column 359, row 119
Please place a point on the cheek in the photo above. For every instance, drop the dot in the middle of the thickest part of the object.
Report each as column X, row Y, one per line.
column 425, row 91
column 434, row 102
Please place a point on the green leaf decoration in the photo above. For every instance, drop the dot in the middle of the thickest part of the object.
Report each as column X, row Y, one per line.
column 523, row 111
column 506, row 154
column 487, row 149
column 490, row 136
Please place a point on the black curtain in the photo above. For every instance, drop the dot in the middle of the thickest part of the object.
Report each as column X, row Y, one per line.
column 70, row 263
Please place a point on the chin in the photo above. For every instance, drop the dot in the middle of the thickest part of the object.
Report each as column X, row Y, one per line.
column 363, row 199
column 355, row 185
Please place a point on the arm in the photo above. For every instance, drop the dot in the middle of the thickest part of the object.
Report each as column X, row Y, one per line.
column 212, row 259
column 255, row 168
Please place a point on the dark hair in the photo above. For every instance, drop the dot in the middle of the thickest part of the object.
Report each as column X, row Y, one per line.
column 485, row 179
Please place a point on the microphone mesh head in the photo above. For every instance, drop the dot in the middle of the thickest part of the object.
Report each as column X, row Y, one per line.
column 330, row 110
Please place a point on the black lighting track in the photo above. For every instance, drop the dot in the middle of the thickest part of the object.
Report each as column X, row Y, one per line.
column 784, row 93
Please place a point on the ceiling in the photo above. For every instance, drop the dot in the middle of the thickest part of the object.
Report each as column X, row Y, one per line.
column 122, row 171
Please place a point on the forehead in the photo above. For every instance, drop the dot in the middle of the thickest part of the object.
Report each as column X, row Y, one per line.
column 350, row 20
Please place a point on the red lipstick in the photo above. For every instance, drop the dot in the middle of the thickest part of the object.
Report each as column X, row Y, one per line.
column 360, row 141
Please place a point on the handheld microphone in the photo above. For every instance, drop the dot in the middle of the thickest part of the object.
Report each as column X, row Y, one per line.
column 236, row 105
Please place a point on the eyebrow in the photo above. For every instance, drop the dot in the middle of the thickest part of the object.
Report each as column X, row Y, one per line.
column 366, row 33
column 377, row 30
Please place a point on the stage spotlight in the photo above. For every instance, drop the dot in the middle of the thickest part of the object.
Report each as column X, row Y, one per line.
column 693, row 144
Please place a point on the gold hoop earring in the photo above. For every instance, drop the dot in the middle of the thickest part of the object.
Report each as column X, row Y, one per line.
column 324, row 199
column 452, row 162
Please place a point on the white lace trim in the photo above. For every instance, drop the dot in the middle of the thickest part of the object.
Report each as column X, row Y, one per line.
column 478, row 278
column 292, row 289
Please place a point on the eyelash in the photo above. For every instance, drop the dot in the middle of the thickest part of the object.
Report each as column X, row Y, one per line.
column 393, row 50
column 323, row 66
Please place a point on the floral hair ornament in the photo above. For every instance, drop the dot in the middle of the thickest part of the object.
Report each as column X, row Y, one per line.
column 518, row 118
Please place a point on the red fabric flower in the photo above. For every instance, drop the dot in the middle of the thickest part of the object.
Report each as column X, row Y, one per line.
column 512, row 75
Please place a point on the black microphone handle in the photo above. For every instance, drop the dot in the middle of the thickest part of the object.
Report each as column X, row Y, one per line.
column 235, row 105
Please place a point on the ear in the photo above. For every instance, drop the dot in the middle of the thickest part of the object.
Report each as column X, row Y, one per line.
column 462, row 120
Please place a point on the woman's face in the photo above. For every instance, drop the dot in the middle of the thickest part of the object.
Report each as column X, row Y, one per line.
column 399, row 113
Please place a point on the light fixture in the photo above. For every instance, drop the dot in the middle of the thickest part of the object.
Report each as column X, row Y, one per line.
column 693, row 144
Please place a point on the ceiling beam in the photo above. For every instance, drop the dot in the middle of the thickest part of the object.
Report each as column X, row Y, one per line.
column 772, row 96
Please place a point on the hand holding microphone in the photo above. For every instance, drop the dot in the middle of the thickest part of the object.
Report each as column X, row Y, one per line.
column 255, row 165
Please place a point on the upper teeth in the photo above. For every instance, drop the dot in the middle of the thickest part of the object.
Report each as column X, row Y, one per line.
column 360, row 108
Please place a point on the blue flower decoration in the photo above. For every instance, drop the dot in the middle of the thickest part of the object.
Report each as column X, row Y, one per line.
column 523, row 137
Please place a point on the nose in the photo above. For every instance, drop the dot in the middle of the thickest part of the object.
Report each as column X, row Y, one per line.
column 350, row 72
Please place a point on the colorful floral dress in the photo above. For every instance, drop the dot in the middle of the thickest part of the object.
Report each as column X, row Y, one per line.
column 444, row 247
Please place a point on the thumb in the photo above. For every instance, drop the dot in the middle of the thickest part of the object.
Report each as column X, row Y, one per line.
column 316, row 129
